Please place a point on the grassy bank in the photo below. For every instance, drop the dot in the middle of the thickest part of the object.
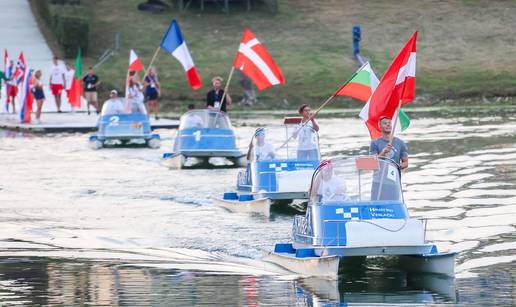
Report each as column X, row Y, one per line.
column 465, row 48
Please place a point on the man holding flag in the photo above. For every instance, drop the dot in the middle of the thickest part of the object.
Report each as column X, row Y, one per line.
column 394, row 149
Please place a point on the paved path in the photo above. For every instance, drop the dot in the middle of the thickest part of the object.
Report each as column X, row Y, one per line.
column 20, row 32
column 79, row 122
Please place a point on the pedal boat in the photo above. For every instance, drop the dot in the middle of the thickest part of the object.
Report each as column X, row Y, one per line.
column 281, row 173
column 204, row 134
column 120, row 126
column 356, row 210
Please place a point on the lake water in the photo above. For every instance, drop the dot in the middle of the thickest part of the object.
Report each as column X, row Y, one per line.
column 114, row 227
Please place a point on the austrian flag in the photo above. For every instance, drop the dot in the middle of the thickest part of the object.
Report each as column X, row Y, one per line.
column 256, row 63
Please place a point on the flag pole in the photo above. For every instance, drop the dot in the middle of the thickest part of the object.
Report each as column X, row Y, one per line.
column 152, row 61
column 323, row 105
column 227, row 86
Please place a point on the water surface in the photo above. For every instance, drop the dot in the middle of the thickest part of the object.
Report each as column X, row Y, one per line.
column 114, row 227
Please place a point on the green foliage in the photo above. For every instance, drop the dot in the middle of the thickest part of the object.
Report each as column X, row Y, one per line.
column 69, row 22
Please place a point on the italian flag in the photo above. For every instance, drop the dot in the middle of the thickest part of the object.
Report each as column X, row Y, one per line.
column 76, row 88
column 361, row 86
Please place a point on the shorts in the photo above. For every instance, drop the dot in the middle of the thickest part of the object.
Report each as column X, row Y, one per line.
column 151, row 95
column 90, row 96
column 38, row 94
column 13, row 90
column 56, row 89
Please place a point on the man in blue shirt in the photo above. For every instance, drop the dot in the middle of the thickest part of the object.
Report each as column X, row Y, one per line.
column 397, row 151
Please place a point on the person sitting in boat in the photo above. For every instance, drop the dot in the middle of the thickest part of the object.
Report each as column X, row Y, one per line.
column 114, row 105
column 306, row 134
column 262, row 149
column 192, row 120
column 331, row 187
column 396, row 151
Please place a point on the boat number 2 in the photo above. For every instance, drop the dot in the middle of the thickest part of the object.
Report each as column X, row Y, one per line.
column 197, row 135
column 113, row 120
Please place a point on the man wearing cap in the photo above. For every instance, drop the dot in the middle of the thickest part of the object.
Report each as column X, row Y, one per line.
column 192, row 120
column 262, row 150
column 396, row 151
column 113, row 105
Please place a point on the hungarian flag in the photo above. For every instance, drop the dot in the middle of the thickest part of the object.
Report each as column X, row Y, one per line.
column 361, row 86
column 174, row 44
column 134, row 62
column 76, row 88
column 256, row 63
column 398, row 85
column 27, row 98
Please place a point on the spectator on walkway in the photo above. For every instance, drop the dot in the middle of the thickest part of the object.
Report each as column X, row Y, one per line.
column 69, row 76
column 39, row 95
column 152, row 90
column 91, row 82
column 57, row 82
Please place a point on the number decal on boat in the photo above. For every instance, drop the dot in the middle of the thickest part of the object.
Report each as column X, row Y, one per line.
column 113, row 120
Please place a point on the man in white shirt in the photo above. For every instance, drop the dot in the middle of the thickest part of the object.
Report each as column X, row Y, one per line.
column 331, row 187
column 57, row 82
column 262, row 150
column 192, row 120
column 69, row 75
column 114, row 105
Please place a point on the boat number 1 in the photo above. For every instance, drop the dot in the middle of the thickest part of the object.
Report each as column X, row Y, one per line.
column 197, row 135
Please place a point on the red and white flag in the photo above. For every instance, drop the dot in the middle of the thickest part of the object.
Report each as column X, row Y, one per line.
column 19, row 72
column 256, row 63
column 134, row 62
column 398, row 83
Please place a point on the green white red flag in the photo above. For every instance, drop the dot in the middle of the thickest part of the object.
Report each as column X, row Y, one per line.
column 76, row 88
column 361, row 86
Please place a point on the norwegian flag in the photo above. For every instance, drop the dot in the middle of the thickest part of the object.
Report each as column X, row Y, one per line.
column 19, row 72
column 256, row 63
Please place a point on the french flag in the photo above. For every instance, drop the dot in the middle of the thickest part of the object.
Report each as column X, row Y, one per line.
column 27, row 98
column 174, row 44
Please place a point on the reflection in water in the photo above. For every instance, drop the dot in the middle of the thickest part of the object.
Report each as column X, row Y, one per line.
column 121, row 204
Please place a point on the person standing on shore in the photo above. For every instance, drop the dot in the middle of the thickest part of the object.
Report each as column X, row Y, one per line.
column 91, row 81
column 57, row 82
column 214, row 97
column 152, row 91
column 69, row 75
column 4, row 78
column 39, row 95
column 12, row 88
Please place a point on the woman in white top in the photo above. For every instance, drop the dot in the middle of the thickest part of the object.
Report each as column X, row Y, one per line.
column 135, row 95
column 307, row 148
column 331, row 187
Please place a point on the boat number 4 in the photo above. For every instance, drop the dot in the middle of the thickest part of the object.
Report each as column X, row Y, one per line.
column 197, row 135
column 113, row 120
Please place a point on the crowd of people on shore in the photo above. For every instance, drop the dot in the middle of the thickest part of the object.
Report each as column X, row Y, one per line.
column 147, row 90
